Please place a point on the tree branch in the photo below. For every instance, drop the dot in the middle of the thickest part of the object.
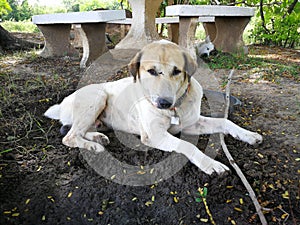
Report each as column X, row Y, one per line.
column 232, row 162
column 290, row 8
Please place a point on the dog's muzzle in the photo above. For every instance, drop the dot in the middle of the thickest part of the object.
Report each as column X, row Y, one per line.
column 163, row 103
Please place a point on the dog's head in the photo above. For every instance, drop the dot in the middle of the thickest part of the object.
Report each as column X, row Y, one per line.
column 164, row 71
column 205, row 48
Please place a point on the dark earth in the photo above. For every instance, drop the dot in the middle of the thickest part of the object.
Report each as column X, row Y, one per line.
column 45, row 182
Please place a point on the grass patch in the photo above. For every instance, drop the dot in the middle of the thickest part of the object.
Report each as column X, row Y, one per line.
column 23, row 26
column 270, row 69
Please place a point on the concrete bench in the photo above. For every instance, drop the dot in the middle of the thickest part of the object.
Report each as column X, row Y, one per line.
column 173, row 24
column 56, row 30
column 226, row 32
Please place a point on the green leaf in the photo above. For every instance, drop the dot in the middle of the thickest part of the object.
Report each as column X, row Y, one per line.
column 198, row 200
column 204, row 192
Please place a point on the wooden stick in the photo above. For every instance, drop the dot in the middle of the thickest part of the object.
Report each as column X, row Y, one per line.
column 232, row 162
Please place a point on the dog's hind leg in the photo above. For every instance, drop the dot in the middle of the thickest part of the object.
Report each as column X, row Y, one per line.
column 88, row 104
column 97, row 137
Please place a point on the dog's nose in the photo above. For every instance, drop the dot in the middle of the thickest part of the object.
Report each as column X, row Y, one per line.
column 163, row 103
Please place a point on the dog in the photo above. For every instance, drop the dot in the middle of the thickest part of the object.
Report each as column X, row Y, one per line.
column 204, row 49
column 161, row 100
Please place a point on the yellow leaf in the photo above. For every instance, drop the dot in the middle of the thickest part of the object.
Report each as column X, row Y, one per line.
column 260, row 155
column 27, row 201
column 43, row 218
column 39, row 168
column 70, row 194
column 204, row 220
column 176, row 199
column 15, row 214
column 286, row 195
column 148, row 203
column 141, row 172
column 100, row 213
column 153, row 198
column 241, row 201
column 238, row 209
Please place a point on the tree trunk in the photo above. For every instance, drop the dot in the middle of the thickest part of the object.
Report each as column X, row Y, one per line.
column 11, row 43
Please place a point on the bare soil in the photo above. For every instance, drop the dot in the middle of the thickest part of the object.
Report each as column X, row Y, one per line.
column 45, row 182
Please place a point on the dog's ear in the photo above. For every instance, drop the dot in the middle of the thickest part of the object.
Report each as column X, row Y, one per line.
column 134, row 66
column 190, row 65
column 207, row 39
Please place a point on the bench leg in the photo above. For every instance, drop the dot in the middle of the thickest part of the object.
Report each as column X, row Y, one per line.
column 187, row 29
column 57, row 40
column 93, row 42
column 143, row 29
column 210, row 29
column 229, row 36
column 173, row 32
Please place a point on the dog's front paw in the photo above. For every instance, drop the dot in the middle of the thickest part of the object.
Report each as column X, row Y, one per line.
column 216, row 167
column 252, row 138
column 208, row 165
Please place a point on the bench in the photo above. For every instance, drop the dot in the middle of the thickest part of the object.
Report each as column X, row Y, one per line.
column 56, row 30
column 226, row 32
column 173, row 24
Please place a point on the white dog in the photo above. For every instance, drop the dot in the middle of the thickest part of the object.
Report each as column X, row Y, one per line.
column 204, row 48
column 162, row 99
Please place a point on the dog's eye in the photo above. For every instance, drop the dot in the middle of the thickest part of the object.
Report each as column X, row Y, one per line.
column 176, row 71
column 153, row 72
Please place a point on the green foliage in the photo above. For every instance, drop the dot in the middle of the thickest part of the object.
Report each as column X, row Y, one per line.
column 201, row 195
column 23, row 26
column 94, row 4
column 19, row 11
column 280, row 27
column 4, row 7
column 91, row 5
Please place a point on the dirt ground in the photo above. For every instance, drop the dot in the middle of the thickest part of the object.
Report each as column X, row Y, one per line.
column 45, row 182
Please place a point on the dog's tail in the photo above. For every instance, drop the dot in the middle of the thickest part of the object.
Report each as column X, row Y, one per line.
column 53, row 112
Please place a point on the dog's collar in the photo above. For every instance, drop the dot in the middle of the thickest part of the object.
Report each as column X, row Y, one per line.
column 181, row 98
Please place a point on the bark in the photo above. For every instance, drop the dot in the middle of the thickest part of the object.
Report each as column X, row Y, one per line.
column 10, row 43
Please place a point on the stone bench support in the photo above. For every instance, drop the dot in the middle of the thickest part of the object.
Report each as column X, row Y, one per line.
column 56, row 31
